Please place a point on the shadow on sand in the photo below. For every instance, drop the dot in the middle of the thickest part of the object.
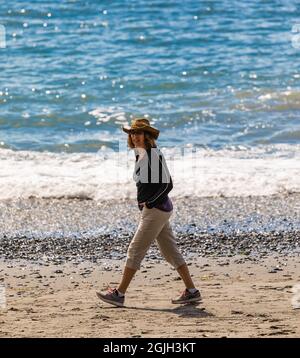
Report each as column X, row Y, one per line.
column 189, row 310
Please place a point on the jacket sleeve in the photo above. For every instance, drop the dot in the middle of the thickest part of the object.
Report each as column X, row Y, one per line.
column 163, row 188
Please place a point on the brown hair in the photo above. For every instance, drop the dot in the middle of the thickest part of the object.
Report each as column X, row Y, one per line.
column 149, row 141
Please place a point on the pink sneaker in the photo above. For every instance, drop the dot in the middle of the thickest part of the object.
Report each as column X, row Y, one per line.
column 112, row 296
column 188, row 297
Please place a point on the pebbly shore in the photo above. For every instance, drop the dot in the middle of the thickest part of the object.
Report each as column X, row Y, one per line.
column 75, row 230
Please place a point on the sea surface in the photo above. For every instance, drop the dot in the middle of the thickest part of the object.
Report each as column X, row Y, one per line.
column 220, row 79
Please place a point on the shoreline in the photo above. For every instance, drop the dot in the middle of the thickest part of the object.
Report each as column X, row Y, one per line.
column 243, row 254
column 73, row 230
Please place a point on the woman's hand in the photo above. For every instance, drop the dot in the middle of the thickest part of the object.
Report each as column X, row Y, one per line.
column 143, row 204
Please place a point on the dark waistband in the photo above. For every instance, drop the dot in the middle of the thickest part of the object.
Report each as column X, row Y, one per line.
column 166, row 205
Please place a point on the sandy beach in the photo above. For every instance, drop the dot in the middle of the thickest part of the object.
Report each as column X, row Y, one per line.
column 243, row 254
column 240, row 299
column 213, row 89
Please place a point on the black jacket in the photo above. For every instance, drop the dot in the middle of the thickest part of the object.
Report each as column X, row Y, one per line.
column 152, row 178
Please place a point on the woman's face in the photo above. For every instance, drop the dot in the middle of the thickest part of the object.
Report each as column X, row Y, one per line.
column 138, row 138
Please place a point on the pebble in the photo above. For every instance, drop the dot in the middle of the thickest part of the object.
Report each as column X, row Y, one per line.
column 55, row 231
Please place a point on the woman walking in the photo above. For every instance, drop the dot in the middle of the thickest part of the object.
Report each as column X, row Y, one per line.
column 153, row 183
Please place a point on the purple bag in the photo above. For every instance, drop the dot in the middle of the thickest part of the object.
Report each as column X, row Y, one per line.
column 166, row 205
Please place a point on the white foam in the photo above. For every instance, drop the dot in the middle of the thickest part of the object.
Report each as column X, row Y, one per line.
column 268, row 100
column 106, row 114
column 108, row 175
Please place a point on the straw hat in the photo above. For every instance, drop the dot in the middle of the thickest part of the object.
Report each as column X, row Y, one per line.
column 142, row 124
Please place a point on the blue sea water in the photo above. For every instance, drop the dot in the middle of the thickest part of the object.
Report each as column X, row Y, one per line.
column 214, row 75
column 211, row 73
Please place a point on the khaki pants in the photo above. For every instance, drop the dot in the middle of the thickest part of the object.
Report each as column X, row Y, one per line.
column 154, row 224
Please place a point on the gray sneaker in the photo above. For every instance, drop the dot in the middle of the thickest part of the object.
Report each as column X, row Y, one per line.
column 188, row 297
column 112, row 297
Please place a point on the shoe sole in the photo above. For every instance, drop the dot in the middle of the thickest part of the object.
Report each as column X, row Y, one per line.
column 117, row 304
column 192, row 300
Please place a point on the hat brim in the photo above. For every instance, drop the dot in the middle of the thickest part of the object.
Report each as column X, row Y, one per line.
column 153, row 131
